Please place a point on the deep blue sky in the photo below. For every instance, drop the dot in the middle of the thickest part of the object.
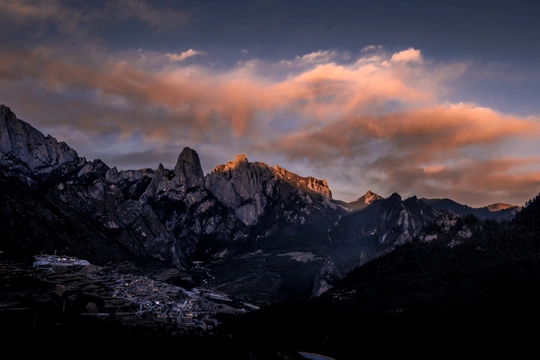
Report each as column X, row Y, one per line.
column 489, row 30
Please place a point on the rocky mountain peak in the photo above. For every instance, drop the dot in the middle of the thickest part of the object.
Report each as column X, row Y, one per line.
column 388, row 222
column 304, row 183
column 240, row 161
column 249, row 188
column 499, row 206
column 241, row 158
column 27, row 152
column 4, row 111
column 242, row 186
column 319, row 186
column 188, row 168
column 188, row 155
column 363, row 201
column 369, row 197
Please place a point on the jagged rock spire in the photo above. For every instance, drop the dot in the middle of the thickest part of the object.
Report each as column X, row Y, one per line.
column 188, row 168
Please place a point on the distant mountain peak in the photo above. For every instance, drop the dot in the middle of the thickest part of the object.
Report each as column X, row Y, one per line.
column 494, row 211
column 363, row 201
column 369, row 197
column 499, row 206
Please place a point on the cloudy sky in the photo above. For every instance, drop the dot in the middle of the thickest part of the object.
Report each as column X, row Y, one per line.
column 426, row 98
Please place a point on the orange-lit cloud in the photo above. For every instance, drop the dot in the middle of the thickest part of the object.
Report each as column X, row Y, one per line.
column 232, row 98
column 316, row 57
column 371, row 48
column 430, row 133
column 407, row 55
column 445, row 149
column 184, row 55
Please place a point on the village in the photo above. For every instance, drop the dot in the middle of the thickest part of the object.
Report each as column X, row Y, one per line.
column 136, row 299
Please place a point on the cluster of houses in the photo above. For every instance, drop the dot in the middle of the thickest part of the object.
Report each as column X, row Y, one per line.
column 163, row 302
column 344, row 295
column 55, row 260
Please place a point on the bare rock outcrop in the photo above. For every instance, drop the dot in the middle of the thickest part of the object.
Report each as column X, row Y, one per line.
column 307, row 184
column 243, row 186
column 327, row 277
column 363, row 201
column 188, row 169
column 28, row 154
column 250, row 188
column 383, row 225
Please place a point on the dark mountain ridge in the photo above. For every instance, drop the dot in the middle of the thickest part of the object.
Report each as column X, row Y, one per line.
column 382, row 225
column 497, row 211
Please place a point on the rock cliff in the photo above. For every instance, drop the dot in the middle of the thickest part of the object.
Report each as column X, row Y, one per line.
column 243, row 186
column 31, row 156
column 383, row 225
column 328, row 276
column 252, row 190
